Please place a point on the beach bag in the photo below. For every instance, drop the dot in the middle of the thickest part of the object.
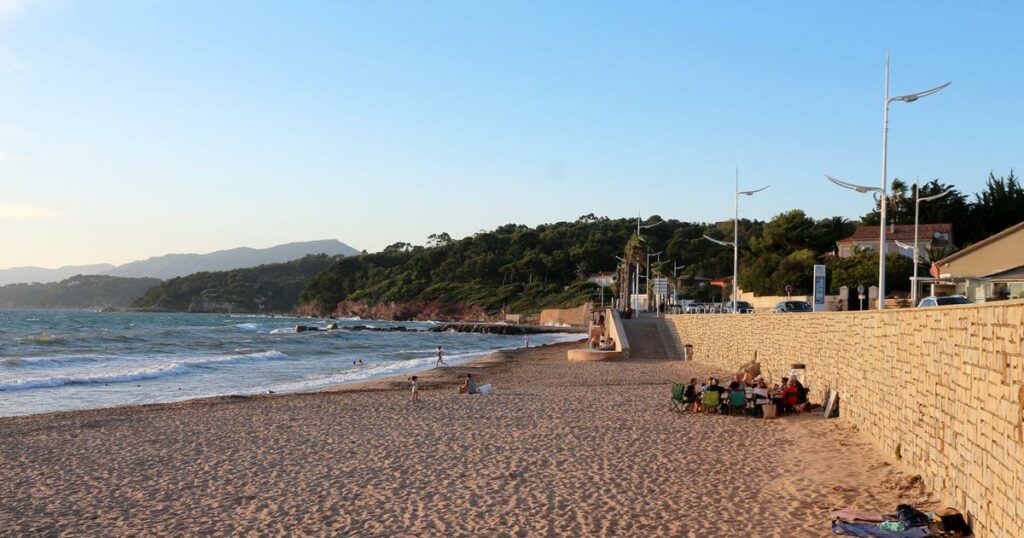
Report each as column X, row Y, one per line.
column 911, row 516
column 484, row 389
column 770, row 411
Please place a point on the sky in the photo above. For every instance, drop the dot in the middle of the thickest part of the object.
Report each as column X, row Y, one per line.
column 136, row 128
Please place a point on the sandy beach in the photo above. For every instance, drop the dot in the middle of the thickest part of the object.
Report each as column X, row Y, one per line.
column 558, row 449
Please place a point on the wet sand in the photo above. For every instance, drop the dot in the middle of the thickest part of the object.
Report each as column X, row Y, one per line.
column 558, row 449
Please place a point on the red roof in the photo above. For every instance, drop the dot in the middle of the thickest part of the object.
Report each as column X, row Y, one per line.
column 901, row 232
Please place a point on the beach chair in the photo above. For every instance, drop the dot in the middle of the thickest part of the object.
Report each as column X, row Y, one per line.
column 710, row 401
column 737, row 402
column 677, row 397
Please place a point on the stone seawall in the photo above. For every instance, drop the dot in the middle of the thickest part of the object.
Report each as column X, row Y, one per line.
column 942, row 389
column 566, row 316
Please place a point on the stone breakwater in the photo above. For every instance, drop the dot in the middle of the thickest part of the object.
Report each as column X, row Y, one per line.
column 940, row 388
column 500, row 328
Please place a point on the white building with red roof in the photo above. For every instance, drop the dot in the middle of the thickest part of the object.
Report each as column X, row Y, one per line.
column 866, row 238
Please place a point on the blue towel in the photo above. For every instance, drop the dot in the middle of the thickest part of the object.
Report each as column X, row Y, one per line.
column 873, row 531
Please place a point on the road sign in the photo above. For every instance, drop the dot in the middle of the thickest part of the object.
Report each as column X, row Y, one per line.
column 789, row 289
column 819, row 288
column 860, row 290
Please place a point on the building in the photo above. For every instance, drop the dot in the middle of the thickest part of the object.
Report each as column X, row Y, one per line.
column 990, row 269
column 866, row 237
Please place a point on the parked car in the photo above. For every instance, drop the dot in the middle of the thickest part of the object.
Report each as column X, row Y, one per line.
column 695, row 307
column 793, row 306
column 742, row 307
column 944, row 300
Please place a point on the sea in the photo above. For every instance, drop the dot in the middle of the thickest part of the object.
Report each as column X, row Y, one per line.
column 57, row 360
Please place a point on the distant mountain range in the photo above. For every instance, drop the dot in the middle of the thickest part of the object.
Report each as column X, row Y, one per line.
column 175, row 265
column 82, row 291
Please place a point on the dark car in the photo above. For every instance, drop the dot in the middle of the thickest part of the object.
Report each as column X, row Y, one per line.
column 944, row 301
column 742, row 307
column 793, row 306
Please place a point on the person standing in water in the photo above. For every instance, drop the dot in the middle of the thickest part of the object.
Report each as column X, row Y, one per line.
column 440, row 357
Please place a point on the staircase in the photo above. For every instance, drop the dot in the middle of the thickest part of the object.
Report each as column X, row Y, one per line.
column 647, row 339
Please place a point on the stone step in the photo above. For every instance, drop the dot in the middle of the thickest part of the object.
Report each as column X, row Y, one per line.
column 645, row 339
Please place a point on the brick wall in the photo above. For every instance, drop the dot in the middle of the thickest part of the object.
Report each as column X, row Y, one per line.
column 943, row 387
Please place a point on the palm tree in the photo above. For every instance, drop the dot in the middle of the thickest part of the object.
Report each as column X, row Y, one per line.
column 635, row 256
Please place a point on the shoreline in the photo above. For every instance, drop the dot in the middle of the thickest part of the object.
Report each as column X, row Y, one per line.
column 433, row 378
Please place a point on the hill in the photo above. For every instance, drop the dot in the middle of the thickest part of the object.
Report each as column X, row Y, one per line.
column 15, row 275
column 514, row 268
column 176, row 265
column 271, row 287
column 81, row 291
column 520, row 269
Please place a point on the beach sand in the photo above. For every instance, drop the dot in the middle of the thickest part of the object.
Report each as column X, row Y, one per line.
column 582, row 449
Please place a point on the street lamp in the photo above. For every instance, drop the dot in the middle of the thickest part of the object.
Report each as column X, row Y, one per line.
column 647, row 281
column 917, row 214
column 736, row 238
column 636, row 276
column 909, row 98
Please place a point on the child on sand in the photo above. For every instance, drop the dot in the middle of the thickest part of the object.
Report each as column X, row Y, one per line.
column 415, row 388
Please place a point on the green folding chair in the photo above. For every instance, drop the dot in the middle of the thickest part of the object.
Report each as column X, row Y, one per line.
column 677, row 397
column 711, row 401
column 737, row 402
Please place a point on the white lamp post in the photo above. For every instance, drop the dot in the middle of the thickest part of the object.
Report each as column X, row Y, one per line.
column 736, row 238
column 647, row 281
column 917, row 214
column 636, row 277
column 909, row 98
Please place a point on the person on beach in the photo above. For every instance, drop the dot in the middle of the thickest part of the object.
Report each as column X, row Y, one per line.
column 415, row 385
column 692, row 394
column 468, row 385
column 440, row 357
column 761, row 398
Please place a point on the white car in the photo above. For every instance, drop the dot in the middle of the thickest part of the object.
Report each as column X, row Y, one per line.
column 944, row 301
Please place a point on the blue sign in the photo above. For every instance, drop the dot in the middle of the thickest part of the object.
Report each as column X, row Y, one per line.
column 819, row 288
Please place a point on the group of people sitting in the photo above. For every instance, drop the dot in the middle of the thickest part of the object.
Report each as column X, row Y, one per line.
column 744, row 395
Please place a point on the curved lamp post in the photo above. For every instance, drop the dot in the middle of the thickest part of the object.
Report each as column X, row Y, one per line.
column 917, row 214
column 636, row 277
column 736, row 238
column 909, row 98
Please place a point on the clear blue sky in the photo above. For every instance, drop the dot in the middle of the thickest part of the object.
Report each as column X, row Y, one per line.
column 136, row 128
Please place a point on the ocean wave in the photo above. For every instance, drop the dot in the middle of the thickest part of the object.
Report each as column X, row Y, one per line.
column 44, row 339
column 49, row 361
column 248, row 327
column 373, row 371
column 174, row 368
column 154, row 372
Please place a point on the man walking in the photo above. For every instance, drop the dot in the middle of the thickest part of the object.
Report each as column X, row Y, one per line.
column 440, row 357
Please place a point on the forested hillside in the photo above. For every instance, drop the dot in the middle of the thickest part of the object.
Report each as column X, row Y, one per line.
column 521, row 269
column 82, row 291
column 272, row 287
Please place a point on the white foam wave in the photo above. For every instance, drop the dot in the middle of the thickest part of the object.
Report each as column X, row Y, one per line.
column 373, row 372
column 248, row 327
column 177, row 367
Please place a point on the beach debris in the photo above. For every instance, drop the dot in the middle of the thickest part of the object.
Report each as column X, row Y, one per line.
column 513, row 475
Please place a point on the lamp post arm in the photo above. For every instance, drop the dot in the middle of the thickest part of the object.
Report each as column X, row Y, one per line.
column 910, row 98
